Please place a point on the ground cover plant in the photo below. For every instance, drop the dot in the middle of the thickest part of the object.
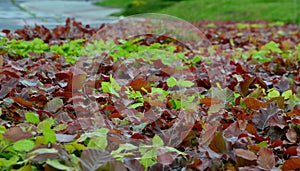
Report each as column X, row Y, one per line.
column 245, row 119
column 195, row 10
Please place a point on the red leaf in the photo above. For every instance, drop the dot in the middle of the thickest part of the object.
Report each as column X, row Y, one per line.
column 139, row 84
column 208, row 132
column 195, row 164
column 240, row 69
column 138, row 136
column 233, row 130
column 133, row 165
column 266, row 159
column 262, row 120
column 251, row 129
column 10, row 73
column 116, row 115
column 276, row 143
column 254, row 147
column 92, row 159
column 291, row 164
column 63, row 94
column 292, row 151
column 39, row 99
column 278, row 100
column 277, row 120
column 16, row 134
column 6, row 31
column 218, row 143
column 63, row 76
column 6, row 88
column 244, row 86
column 253, row 103
column 208, row 101
column 245, row 154
column 295, row 112
column 22, row 102
column 164, row 157
column 260, row 82
column 291, row 135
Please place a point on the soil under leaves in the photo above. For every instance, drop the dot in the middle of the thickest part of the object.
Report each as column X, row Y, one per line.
column 247, row 118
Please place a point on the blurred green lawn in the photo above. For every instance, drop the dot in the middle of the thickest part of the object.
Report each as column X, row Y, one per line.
column 287, row 11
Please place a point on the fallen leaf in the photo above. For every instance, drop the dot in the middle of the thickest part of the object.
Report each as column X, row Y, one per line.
column 266, row 159
column 292, row 151
column 54, row 104
column 133, row 165
column 1, row 61
column 291, row 135
column 219, row 143
column 245, row 154
column 64, row 138
column 22, row 102
column 92, row 159
column 208, row 101
column 291, row 164
column 164, row 157
column 244, row 85
column 16, row 134
column 261, row 120
column 139, row 84
column 253, row 103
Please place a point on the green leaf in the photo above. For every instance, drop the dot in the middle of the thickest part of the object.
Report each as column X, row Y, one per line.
column 159, row 91
column 49, row 134
column 263, row 60
column 140, row 127
column 98, row 138
column 185, row 83
column 273, row 93
column 263, row 144
column 122, row 150
column 41, row 125
column 32, row 118
column 56, row 164
column 24, row 145
column 103, row 131
column 5, row 163
column 172, row 149
column 149, row 158
column 274, row 47
column 157, row 141
column 114, row 83
column 107, row 87
column 60, row 127
column 176, row 104
column 287, row 94
column 171, row 82
column 27, row 167
column 44, row 151
column 135, row 105
column 98, row 142
column 196, row 59
column 2, row 129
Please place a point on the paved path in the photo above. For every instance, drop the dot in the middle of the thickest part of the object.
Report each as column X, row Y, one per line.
column 52, row 13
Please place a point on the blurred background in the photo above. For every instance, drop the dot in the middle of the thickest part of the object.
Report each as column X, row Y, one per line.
column 15, row 14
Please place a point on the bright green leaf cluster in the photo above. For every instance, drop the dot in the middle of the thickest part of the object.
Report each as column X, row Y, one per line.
column 70, row 50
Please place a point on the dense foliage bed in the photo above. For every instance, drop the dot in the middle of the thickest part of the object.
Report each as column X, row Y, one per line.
column 73, row 99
